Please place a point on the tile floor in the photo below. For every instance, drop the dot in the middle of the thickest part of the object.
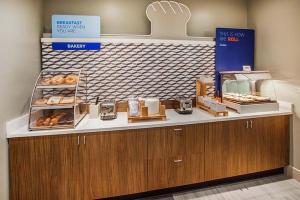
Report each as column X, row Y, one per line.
column 277, row 187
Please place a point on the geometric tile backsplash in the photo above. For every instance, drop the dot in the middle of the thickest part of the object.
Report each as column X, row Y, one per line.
column 121, row 70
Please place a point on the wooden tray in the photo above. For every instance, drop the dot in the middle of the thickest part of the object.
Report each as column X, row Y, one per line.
column 144, row 116
column 207, row 109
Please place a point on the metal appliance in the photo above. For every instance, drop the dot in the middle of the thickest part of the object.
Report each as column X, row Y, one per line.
column 108, row 110
column 185, row 106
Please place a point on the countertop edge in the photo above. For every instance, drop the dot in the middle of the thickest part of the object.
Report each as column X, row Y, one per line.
column 22, row 132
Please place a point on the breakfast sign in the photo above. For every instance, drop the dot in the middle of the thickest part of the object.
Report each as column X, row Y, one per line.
column 75, row 26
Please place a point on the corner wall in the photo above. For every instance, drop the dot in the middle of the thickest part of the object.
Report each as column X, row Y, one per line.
column 21, row 27
column 277, row 25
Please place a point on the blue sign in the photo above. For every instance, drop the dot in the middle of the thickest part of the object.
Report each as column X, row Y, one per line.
column 72, row 26
column 234, row 49
column 91, row 46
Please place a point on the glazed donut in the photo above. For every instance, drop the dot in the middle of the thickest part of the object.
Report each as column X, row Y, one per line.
column 46, row 81
column 59, row 79
column 41, row 101
column 71, row 79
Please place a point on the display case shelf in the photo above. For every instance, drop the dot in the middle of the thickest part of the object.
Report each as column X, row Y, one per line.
column 60, row 102
column 55, row 86
column 48, row 107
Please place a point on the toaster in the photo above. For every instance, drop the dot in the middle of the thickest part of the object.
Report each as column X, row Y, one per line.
column 108, row 110
column 185, row 106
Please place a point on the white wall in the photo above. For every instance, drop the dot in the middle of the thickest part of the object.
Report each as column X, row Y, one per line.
column 277, row 24
column 129, row 16
column 21, row 26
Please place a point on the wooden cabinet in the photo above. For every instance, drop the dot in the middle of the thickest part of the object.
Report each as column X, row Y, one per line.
column 268, row 143
column 115, row 163
column 45, row 168
column 246, row 146
column 175, row 156
column 109, row 164
column 225, row 150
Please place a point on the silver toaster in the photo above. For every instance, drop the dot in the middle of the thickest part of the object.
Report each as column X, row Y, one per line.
column 185, row 106
column 108, row 110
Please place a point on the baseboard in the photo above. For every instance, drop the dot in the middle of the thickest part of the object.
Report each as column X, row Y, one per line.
column 292, row 172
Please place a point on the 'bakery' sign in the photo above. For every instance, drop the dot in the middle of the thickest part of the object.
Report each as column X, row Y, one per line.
column 92, row 46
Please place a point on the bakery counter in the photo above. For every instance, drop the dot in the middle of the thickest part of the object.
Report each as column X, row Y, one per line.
column 92, row 160
column 19, row 127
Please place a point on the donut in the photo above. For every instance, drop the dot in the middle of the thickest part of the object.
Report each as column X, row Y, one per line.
column 46, row 81
column 59, row 79
column 71, row 79
column 41, row 101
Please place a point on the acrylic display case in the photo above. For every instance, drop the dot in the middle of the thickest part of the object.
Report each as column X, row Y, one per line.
column 58, row 100
column 247, row 92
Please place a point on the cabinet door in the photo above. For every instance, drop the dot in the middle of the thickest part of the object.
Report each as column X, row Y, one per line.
column 268, row 143
column 225, row 150
column 158, row 169
column 175, row 156
column 44, row 168
column 115, row 163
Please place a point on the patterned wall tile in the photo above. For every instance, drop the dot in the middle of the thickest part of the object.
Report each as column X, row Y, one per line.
column 121, row 70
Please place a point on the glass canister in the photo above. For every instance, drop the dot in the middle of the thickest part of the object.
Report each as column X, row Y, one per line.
column 133, row 106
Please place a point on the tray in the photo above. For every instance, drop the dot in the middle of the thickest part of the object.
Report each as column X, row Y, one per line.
column 144, row 115
column 207, row 109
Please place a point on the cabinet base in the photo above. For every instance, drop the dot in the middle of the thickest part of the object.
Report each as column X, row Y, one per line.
column 167, row 191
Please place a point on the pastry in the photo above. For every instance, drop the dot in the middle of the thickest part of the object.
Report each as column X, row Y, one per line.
column 71, row 79
column 46, row 81
column 54, row 100
column 41, row 101
column 57, row 80
column 59, row 114
column 54, row 121
column 67, row 100
column 40, row 122
column 262, row 98
column 47, row 121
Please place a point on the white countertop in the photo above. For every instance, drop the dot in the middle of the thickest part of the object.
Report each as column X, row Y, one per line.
column 19, row 127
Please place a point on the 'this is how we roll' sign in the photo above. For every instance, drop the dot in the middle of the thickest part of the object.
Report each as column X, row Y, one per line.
column 75, row 26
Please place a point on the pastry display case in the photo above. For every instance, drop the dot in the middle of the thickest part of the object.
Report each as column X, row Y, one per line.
column 247, row 92
column 58, row 100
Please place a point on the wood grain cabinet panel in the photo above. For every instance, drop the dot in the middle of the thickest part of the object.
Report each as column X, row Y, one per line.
column 45, row 168
column 110, row 164
column 268, row 143
column 175, row 156
column 246, row 146
column 115, row 163
column 225, row 150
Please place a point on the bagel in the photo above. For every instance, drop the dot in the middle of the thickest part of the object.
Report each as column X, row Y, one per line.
column 57, row 80
column 46, row 81
column 71, row 79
